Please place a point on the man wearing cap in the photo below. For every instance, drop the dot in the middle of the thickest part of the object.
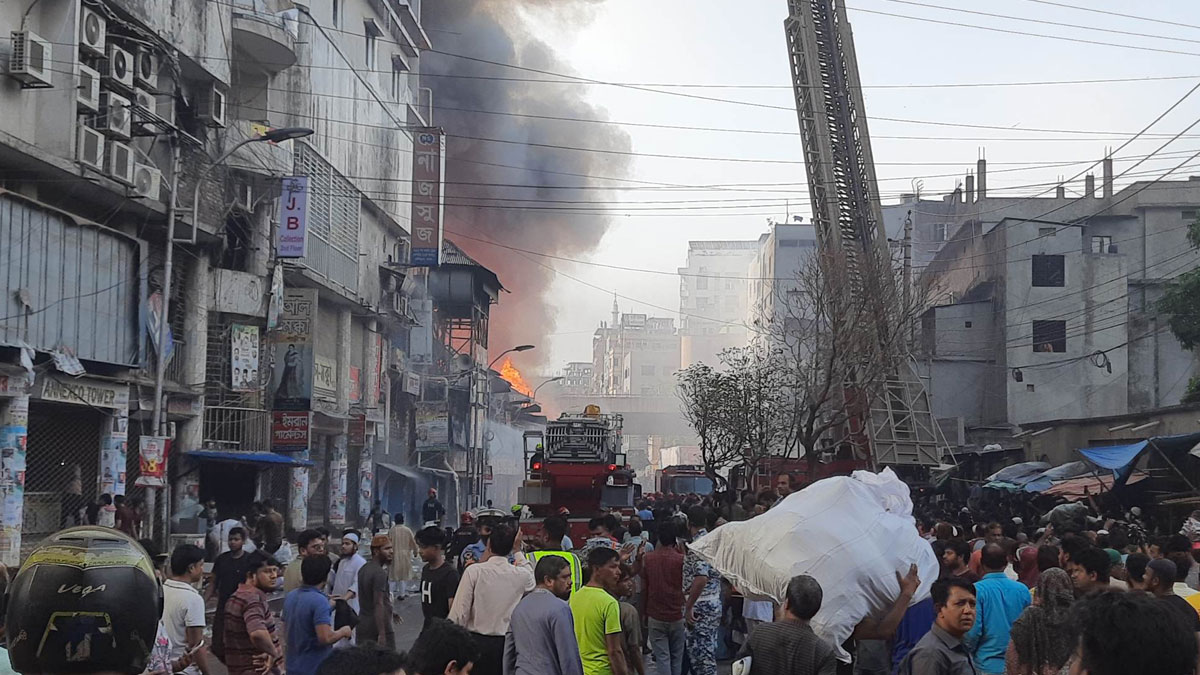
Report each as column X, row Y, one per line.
column 1159, row 579
column 432, row 509
column 343, row 578
column 375, row 619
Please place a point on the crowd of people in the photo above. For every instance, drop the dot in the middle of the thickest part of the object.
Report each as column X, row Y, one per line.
column 1062, row 589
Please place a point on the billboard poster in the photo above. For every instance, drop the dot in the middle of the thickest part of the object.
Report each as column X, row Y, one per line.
column 152, row 461
column 366, row 483
column 243, row 342
column 337, row 481
column 433, row 424
column 290, row 431
column 428, row 171
column 298, row 497
column 113, row 453
column 293, row 218
column 292, row 345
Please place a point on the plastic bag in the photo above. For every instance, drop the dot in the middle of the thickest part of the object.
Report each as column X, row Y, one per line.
column 852, row 534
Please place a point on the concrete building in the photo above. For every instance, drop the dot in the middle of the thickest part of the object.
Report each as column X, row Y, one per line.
column 636, row 356
column 1044, row 307
column 578, row 378
column 931, row 220
column 114, row 116
column 781, row 254
column 713, row 296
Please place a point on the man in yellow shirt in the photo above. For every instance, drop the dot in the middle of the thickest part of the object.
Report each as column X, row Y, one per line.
column 598, row 616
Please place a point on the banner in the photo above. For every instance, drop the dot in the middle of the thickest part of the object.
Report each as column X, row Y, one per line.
column 337, row 480
column 244, row 359
column 292, row 345
column 291, row 431
column 293, row 218
column 428, row 171
column 152, row 461
column 433, row 424
column 366, row 483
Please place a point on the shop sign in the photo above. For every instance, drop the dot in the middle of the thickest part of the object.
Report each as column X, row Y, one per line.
column 152, row 461
column 293, row 218
column 291, row 431
column 84, row 392
column 292, row 345
column 355, row 384
column 325, row 376
column 412, row 384
column 433, row 424
column 428, row 172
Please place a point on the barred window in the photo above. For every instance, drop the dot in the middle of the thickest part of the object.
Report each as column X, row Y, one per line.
column 333, row 220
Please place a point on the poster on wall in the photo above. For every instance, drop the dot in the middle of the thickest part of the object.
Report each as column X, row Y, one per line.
column 337, row 481
column 298, row 498
column 113, row 454
column 152, row 461
column 292, row 376
column 366, row 483
column 13, row 438
column 243, row 342
column 433, row 424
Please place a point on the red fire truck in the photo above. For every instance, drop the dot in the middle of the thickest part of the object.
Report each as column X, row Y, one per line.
column 577, row 465
column 683, row 479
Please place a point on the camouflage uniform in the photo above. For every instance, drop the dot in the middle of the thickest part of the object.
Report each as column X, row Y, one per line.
column 702, row 635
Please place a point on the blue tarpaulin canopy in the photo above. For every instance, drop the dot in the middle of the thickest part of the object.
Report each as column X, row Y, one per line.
column 1114, row 456
column 248, row 457
column 1122, row 458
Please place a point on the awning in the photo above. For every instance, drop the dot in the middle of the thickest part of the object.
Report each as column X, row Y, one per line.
column 1080, row 488
column 1014, row 476
column 248, row 457
column 406, row 471
column 1114, row 457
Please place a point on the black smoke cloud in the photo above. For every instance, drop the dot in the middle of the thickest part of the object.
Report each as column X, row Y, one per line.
column 496, row 30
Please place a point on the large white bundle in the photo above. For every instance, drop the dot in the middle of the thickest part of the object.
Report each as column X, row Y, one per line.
column 852, row 534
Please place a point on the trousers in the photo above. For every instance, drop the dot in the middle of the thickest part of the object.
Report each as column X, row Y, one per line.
column 702, row 637
column 667, row 639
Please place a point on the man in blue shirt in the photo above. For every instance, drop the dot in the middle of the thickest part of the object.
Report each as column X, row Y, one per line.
column 1001, row 600
column 309, row 619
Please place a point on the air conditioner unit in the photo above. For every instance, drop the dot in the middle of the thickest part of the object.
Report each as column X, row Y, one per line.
column 120, row 162
column 210, row 106
column 92, row 28
column 145, row 69
column 147, row 181
column 115, row 116
column 120, row 67
column 90, row 149
column 30, row 59
column 144, row 107
column 88, row 95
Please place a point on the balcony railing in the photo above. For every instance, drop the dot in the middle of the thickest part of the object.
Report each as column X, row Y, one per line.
column 244, row 429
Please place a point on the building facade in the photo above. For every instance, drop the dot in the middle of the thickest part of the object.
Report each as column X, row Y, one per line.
column 287, row 370
column 713, row 296
column 1043, row 308
column 782, row 253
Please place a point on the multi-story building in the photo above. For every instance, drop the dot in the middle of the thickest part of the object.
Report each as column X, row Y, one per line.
column 713, row 295
column 113, row 114
column 1044, row 306
column 637, row 356
column 578, row 377
column 781, row 255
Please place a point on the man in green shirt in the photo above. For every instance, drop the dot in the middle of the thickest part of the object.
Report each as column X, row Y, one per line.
column 598, row 616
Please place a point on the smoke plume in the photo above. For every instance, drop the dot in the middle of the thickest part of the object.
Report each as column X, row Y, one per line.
column 478, row 193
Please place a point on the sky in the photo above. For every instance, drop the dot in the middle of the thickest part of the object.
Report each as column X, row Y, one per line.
column 659, row 42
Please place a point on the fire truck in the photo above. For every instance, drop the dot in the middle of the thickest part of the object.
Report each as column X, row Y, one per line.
column 577, row 465
column 683, row 479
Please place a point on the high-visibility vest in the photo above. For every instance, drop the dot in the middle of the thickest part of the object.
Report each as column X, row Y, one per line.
column 576, row 566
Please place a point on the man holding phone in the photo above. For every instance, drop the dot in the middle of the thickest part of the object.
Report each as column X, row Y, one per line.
column 183, row 608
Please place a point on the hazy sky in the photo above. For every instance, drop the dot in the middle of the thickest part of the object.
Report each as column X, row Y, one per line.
column 660, row 42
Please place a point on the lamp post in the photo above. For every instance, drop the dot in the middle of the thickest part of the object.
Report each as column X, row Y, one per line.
column 533, row 396
column 518, row 348
column 480, row 462
column 160, row 369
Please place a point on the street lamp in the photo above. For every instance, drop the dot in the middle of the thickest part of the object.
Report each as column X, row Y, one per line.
column 533, row 396
column 518, row 348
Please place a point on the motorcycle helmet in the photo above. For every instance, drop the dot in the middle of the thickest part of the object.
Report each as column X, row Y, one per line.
column 85, row 600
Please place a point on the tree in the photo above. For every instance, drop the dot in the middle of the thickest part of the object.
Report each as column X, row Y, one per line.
column 1181, row 301
column 703, row 393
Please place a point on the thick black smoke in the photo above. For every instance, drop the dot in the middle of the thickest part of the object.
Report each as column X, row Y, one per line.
column 494, row 30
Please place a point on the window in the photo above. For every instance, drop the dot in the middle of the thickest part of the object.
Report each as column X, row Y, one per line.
column 939, row 232
column 967, row 324
column 1050, row 336
column 1047, row 231
column 1188, row 215
column 397, row 82
column 702, row 283
column 337, row 13
column 1048, row 270
column 370, row 54
column 1029, row 387
column 789, row 243
column 647, row 370
column 729, row 284
column 1101, row 244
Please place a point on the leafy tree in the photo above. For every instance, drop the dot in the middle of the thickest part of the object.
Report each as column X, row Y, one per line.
column 1181, row 302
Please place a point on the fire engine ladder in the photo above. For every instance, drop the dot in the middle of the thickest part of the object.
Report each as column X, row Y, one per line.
column 846, row 212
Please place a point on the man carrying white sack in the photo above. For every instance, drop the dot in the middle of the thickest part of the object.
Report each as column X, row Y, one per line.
column 865, row 595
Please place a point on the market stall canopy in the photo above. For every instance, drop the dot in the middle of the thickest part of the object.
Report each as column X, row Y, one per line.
column 1064, row 472
column 1018, row 474
column 241, row 457
column 1080, row 488
column 1122, row 458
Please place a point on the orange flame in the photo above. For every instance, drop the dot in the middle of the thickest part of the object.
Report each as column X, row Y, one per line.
column 510, row 374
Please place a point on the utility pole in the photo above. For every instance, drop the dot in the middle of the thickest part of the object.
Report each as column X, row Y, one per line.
column 160, row 363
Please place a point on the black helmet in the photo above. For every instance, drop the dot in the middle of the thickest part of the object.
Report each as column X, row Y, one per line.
column 86, row 600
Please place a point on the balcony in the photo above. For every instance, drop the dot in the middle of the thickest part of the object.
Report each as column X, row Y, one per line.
column 262, row 37
column 241, row 429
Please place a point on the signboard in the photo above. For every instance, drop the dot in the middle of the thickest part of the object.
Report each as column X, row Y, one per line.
column 292, row 345
column 290, row 431
column 325, row 376
column 82, row 391
column 412, row 384
column 152, row 461
column 375, row 372
column 243, row 342
column 433, row 424
column 238, row 293
column 355, row 384
column 357, row 430
column 293, row 218
column 429, row 146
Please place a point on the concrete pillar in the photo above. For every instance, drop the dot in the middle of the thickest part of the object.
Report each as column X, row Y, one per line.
column 1108, row 177
column 260, row 247
column 1089, row 186
column 970, row 189
column 981, row 180
column 298, row 496
column 1060, row 192
column 338, row 459
column 345, row 323
column 197, row 295
column 14, row 430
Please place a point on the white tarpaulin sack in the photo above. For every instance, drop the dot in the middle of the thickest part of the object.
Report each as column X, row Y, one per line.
column 852, row 534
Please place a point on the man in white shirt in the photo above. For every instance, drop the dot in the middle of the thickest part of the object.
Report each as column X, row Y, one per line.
column 343, row 578
column 183, row 608
column 488, row 593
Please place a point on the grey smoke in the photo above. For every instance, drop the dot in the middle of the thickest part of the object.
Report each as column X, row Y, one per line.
column 495, row 30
